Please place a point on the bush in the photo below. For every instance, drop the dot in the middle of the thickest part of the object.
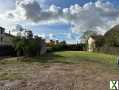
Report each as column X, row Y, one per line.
column 7, row 50
column 59, row 47
column 27, row 47
column 109, row 50
column 65, row 47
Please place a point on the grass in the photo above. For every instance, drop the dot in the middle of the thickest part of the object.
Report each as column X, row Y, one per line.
column 67, row 57
column 88, row 56
column 11, row 69
column 72, row 57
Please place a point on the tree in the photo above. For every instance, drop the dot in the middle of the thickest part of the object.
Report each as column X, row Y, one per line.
column 28, row 34
column 19, row 45
column 86, row 35
column 112, row 37
column 99, row 40
column 28, row 46
column 18, row 29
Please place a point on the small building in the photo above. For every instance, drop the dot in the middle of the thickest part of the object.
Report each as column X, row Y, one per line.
column 91, row 44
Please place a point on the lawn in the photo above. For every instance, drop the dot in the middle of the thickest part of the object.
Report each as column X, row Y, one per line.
column 73, row 57
column 87, row 56
column 66, row 68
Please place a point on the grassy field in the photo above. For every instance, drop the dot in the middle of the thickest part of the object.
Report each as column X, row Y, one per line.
column 86, row 56
column 69, row 57
column 68, row 65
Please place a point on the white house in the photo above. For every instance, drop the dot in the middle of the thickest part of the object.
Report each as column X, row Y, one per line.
column 91, row 44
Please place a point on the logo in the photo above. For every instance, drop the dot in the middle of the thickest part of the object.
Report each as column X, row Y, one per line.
column 114, row 85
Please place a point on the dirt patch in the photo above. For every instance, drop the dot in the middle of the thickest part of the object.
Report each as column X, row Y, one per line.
column 83, row 76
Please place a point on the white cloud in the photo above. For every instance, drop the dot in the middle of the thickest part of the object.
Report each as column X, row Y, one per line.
column 43, row 35
column 99, row 16
column 51, row 36
column 30, row 10
column 66, row 10
column 96, row 16
column 54, row 9
column 75, row 9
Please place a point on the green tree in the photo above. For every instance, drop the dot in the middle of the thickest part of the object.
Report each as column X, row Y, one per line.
column 86, row 35
column 27, row 46
column 112, row 37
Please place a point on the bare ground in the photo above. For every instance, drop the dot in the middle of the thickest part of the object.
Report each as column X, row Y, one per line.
column 57, row 76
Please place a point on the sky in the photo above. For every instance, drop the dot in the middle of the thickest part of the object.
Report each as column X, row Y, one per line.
column 60, row 19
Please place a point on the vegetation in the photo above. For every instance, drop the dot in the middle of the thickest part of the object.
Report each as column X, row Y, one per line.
column 112, row 37
column 86, row 35
column 7, row 50
column 70, row 57
column 111, row 41
column 27, row 46
column 14, row 69
column 88, row 56
column 60, row 46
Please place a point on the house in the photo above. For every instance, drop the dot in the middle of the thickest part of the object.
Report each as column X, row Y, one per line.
column 91, row 44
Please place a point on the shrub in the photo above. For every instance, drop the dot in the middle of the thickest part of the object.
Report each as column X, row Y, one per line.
column 27, row 46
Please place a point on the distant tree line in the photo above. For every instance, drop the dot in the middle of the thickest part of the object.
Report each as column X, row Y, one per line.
column 58, row 46
column 67, row 47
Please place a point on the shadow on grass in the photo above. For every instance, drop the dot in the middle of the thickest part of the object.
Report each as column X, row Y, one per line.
column 56, row 58
column 47, row 58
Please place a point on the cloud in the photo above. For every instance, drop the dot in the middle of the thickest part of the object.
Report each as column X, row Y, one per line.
column 98, row 16
column 26, row 10
column 54, row 9
column 43, row 35
column 31, row 10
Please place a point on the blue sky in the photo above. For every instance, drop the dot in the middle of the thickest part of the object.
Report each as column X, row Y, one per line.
column 53, row 19
column 68, row 3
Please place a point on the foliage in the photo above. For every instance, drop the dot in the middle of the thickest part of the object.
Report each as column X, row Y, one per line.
column 99, row 40
column 7, row 50
column 112, row 37
column 86, row 35
column 27, row 46
column 109, row 50
column 76, row 47
column 109, row 43
column 56, row 46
